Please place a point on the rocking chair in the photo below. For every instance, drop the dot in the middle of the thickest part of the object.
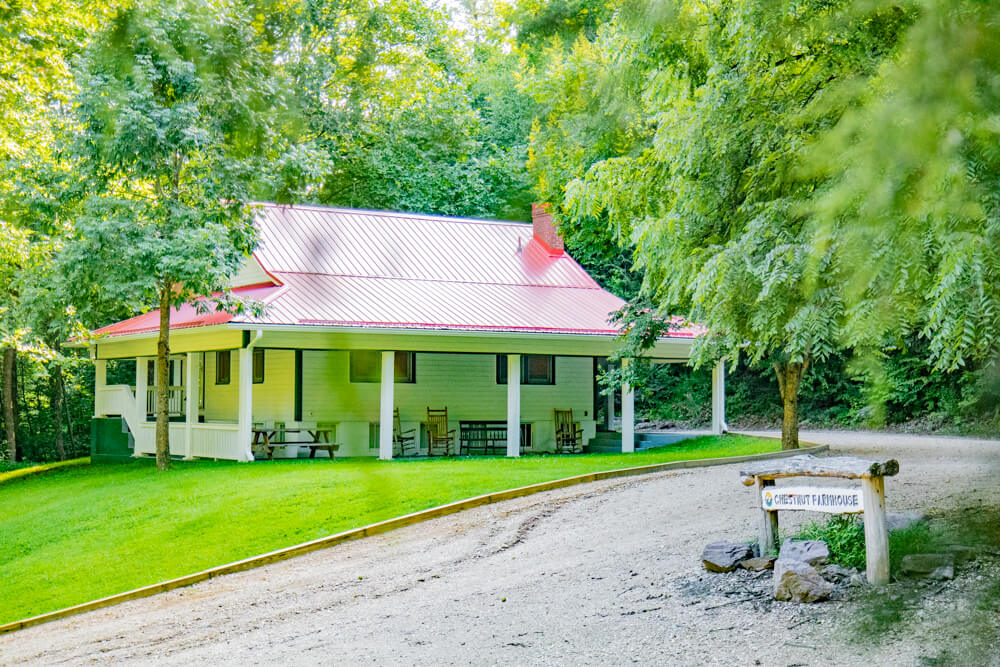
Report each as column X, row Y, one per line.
column 569, row 435
column 404, row 443
column 438, row 435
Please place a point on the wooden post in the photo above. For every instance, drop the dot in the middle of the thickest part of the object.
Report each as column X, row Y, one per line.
column 876, row 530
column 513, row 405
column 100, row 381
column 385, row 406
column 141, row 381
column 628, row 413
column 192, row 375
column 719, row 398
column 245, row 401
column 768, row 520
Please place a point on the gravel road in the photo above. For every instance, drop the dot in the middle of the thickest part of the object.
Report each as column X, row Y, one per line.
column 605, row 573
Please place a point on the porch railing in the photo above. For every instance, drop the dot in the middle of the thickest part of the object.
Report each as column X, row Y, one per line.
column 175, row 401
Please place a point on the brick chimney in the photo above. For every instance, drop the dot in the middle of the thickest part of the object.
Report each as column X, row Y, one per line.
column 545, row 230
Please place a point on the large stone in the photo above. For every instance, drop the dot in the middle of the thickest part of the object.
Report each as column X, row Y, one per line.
column 837, row 573
column 796, row 581
column 961, row 553
column 757, row 564
column 725, row 556
column 812, row 552
column 901, row 520
column 932, row 566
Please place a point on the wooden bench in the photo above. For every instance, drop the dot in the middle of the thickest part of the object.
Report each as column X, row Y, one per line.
column 488, row 437
column 267, row 440
column 870, row 501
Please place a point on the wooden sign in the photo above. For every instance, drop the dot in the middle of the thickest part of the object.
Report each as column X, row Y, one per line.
column 830, row 499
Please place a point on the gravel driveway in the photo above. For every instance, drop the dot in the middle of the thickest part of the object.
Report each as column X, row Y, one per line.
column 605, row 573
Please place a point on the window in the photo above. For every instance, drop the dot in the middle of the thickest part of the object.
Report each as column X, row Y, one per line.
column 223, row 359
column 258, row 365
column 366, row 366
column 535, row 369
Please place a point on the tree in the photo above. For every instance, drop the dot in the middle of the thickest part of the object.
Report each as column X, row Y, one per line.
column 37, row 43
column 725, row 97
column 911, row 177
column 173, row 105
column 386, row 102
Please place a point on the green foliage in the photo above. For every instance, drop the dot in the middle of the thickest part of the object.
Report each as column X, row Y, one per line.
column 909, row 189
column 844, row 535
column 399, row 112
column 222, row 512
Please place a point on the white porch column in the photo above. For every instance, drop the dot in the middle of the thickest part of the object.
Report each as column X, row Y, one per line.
column 628, row 412
column 100, row 381
column 141, row 383
column 192, row 376
column 386, row 405
column 719, row 425
column 513, row 405
column 140, row 400
column 245, row 403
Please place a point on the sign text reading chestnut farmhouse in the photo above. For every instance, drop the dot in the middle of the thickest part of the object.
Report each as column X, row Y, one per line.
column 834, row 500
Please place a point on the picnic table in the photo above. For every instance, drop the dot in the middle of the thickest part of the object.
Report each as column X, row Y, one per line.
column 267, row 439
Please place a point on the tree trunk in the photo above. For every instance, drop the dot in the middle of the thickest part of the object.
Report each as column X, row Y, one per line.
column 57, row 409
column 789, row 378
column 10, row 402
column 163, row 383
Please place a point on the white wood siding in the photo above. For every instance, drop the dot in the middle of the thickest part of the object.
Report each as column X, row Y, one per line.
column 464, row 383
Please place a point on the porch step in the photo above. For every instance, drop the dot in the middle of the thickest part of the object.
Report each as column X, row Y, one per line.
column 610, row 442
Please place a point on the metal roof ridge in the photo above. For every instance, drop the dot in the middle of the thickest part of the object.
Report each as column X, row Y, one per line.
column 395, row 214
column 438, row 281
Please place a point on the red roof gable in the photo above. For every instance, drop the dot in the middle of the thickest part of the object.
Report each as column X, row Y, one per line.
column 341, row 267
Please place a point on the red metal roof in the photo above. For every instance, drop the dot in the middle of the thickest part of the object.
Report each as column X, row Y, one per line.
column 340, row 267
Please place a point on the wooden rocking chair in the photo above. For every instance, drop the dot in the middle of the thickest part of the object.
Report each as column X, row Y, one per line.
column 438, row 434
column 569, row 435
column 404, row 443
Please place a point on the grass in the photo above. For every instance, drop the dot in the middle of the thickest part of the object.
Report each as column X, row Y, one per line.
column 972, row 611
column 844, row 535
column 18, row 470
column 77, row 534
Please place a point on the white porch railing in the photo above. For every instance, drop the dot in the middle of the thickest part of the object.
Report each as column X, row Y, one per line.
column 116, row 399
column 214, row 441
column 175, row 400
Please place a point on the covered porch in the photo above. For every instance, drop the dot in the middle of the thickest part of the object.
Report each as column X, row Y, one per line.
column 226, row 383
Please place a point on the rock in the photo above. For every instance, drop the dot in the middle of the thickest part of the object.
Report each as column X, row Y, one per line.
column 858, row 581
column 725, row 556
column 757, row 564
column 837, row 573
column 933, row 566
column 901, row 520
column 812, row 552
column 796, row 581
column 961, row 553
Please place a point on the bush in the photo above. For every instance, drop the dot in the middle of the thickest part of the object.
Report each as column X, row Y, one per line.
column 844, row 534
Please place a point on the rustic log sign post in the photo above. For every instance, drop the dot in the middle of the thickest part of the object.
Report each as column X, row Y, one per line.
column 868, row 499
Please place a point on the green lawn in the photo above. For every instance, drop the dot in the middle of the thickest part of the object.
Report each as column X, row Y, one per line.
column 78, row 534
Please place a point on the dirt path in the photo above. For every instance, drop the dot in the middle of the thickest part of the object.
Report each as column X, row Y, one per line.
column 606, row 573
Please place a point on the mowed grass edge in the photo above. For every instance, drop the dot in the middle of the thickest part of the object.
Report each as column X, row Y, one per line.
column 78, row 534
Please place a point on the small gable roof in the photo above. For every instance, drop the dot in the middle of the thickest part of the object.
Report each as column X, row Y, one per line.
column 351, row 268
